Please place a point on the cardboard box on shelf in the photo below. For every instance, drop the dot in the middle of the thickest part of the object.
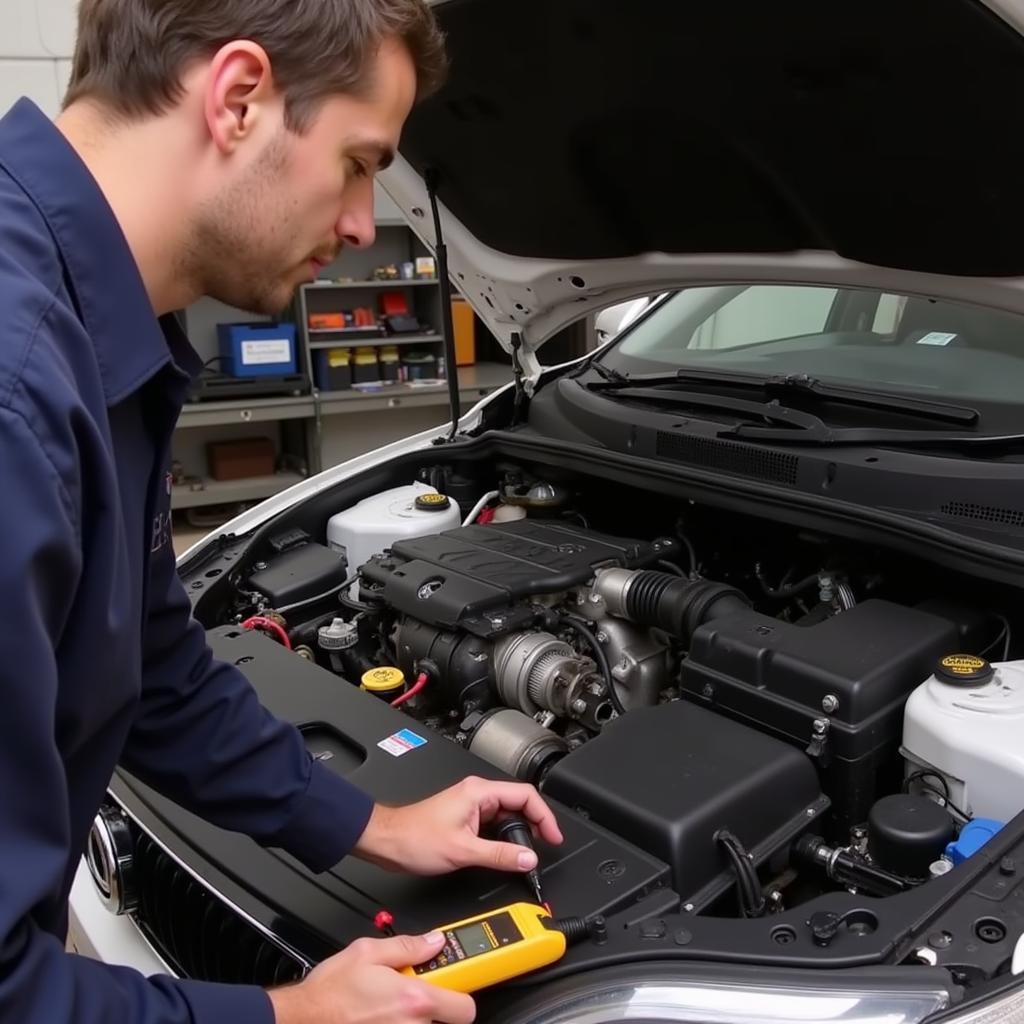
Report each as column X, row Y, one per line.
column 237, row 460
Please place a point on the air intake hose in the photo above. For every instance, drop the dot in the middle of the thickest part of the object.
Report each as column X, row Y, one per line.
column 668, row 602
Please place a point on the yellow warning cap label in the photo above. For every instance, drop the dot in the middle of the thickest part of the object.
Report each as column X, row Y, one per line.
column 963, row 664
column 964, row 668
column 432, row 502
column 381, row 680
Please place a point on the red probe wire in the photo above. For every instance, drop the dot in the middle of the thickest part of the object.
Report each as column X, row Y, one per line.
column 259, row 622
column 421, row 681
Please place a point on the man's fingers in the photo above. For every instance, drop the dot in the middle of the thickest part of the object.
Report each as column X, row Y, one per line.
column 486, row 853
column 524, row 799
column 453, row 1007
column 399, row 950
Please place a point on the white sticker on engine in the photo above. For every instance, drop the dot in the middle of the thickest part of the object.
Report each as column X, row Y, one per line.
column 270, row 350
column 936, row 338
column 401, row 743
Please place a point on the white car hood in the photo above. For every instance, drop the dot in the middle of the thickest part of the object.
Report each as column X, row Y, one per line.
column 842, row 143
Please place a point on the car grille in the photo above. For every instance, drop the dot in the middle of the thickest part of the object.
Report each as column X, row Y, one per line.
column 198, row 934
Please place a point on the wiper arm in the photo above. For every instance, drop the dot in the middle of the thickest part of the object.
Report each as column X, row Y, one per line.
column 800, row 384
column 794, row 384
column 802, row 424
column 869, row 435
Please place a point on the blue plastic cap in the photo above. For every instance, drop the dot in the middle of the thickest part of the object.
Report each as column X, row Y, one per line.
column 973, row 836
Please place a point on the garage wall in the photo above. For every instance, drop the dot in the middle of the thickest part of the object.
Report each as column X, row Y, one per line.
column 36, row 42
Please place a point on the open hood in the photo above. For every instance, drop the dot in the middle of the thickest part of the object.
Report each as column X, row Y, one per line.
column 588, row 152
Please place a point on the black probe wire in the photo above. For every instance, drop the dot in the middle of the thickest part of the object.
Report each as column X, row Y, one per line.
column 599, row 656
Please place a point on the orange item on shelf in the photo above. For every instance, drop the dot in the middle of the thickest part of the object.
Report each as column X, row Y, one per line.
column 394, row 304
column 326, row 321
column 464, row 326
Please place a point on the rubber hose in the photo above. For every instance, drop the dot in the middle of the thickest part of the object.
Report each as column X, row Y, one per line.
column 679, row 606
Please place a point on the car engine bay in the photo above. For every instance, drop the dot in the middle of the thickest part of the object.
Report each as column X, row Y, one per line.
column 772, row 713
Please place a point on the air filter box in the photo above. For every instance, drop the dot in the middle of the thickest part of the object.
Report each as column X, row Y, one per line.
column 668, row 778
column 852, row 673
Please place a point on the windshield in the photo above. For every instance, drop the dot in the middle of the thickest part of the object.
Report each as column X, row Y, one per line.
column 891, row 342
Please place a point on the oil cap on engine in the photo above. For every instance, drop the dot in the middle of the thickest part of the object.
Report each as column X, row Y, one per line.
column 383, row 682
column 963, row 670
column 432, row 502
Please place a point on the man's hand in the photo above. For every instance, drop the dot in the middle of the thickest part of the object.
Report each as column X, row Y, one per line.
column 442, row 833
column 362, row 986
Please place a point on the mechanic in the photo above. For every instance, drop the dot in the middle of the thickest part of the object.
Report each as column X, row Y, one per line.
column 223, row 149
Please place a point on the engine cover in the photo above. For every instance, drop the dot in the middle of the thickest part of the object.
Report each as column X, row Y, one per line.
column 480, row 578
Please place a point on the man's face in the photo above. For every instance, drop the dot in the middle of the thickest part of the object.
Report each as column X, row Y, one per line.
column 305, row 197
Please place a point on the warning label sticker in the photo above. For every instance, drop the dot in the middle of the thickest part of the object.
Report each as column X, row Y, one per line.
column 401, row 743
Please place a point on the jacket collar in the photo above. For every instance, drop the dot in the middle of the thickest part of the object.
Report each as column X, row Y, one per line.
column 132, row 345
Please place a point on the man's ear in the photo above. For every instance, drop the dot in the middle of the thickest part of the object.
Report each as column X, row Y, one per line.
column 239, row 91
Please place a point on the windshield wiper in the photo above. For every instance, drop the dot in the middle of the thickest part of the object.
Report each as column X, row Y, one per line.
column 867, row 436
column 797, row 385
column 802, row 424
column 799, row 427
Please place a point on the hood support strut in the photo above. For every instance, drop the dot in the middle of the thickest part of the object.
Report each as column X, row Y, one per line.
column 431, row 178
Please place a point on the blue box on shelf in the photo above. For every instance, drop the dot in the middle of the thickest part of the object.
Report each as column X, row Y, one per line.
column 257, row 349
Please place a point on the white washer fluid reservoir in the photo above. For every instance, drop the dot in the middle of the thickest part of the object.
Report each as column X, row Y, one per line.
column 967, row 721
column 377, row 522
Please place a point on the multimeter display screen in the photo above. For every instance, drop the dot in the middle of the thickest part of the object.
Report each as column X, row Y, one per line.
column 473, row 939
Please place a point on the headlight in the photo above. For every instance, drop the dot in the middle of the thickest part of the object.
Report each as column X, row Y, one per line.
column 1007, row 1009
column 692, row 994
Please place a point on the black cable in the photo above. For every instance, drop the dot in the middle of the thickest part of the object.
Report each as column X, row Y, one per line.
column 785, row 592
column 748, row 885
column 1006, row 627
column 742, row 883
column 319, row 597
column 949, row 806
column 924, row 774
column 943, row 794
column 356, row 606
column 689, row 550
column 1000, row 637
column 599, row 656
column 670, row 567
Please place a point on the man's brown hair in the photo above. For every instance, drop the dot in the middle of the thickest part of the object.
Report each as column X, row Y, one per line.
column 131, row 54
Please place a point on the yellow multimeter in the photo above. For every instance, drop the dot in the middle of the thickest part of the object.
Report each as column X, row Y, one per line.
column 491, row 948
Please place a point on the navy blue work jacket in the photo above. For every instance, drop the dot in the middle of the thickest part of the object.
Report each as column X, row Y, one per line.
column 100, row 660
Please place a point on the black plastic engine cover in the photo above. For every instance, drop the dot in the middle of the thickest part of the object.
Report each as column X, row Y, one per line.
column 854, row 670
column 477, row 578
column 670, row 777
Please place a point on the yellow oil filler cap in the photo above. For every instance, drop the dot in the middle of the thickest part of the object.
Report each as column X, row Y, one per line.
column 432, row 502
column 964, row 670
column 383, row 682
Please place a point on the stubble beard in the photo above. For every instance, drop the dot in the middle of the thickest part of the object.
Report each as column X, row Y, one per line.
column 233, row 252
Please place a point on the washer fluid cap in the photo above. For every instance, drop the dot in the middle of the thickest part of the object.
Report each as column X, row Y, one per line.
column 433, row 502
column 963, row 670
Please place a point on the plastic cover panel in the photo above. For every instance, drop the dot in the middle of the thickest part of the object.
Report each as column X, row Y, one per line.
column 458, row 578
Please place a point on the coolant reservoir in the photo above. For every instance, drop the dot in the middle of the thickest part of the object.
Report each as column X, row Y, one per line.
column 967, row 721
column 377, row 522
